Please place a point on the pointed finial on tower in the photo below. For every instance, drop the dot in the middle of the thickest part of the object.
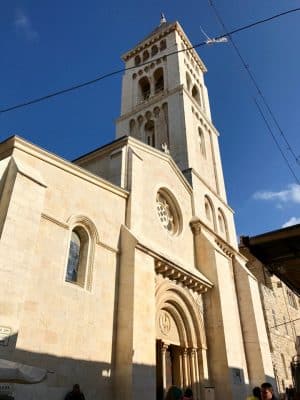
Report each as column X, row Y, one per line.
column 162, row 19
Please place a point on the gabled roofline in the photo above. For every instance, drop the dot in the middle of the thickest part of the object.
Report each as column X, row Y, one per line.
column 8, row 146
column 129, row 140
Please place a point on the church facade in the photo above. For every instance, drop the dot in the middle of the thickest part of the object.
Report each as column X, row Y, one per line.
column 121, row 270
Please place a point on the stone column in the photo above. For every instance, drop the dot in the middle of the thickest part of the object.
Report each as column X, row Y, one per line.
column 192, row 357
column 186, row 380
column 181, row 370
column 197, row 375
column 164, row 348
column 203, row 354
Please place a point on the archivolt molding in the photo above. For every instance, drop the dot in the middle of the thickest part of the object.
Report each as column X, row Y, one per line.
column 181, row 277
column 86, row 223
column 177, row 301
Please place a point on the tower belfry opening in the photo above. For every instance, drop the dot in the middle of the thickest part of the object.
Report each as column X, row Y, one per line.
column 167, row 103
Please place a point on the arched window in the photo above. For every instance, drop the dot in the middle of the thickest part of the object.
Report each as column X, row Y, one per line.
column 137, row 60
column 196, row 94
column 78, row 256
column 154, row 50
column 132, row 128
column 150, row 133
column 163, row 45
column 222, row 224
column 144, row 88
column 145, row 55
column 188, row 81
column 158, row 80
column 201, row 142
column 209, row 212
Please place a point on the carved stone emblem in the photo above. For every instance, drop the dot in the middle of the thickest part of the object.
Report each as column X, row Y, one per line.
column 164, row 323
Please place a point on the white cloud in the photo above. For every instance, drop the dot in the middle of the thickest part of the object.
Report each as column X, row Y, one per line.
column 291, row 221
column 291, row 194
column 23, row 25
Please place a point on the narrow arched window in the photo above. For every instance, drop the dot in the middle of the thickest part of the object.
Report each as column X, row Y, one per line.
column 77, row 257
column 163, row 45
column 196, row 94
column 144, row 88
column 222, row 224
column 188, row 81
column 150, row 133
column 209, row 212
column 132, row 127
column 154, row 50
column 145, row 55
column 158, row 80
column 201, row 142
column 137, row 60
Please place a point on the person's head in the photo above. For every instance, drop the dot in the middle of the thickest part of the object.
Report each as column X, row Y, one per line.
column 266, row 391
column 256, row 392
column 174, row 393
column 76, row 388
column 188, row 392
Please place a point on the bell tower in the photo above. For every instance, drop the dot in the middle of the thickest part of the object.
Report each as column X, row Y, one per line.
column 165, row 104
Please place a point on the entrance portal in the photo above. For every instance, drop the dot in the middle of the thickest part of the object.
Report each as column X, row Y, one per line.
column 171, row 373
column 180, row 345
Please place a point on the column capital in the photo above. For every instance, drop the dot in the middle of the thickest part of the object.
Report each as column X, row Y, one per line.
column 195, row 225
column 164, row 347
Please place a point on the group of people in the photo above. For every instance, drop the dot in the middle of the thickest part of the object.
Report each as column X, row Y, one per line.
column 266, row 392
column 175, row 393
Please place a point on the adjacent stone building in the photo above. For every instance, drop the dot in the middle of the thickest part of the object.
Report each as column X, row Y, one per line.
column 281, row 304
column 121, row 270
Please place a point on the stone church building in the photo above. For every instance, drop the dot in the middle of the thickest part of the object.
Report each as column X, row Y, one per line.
column 121, row 271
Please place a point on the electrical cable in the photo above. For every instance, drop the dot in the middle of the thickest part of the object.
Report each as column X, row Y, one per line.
column 276, row 142
column 252, row 78
column 284, row 323
column 109, row 74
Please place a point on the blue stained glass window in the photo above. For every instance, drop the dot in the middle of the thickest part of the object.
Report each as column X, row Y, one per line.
column 74, row 258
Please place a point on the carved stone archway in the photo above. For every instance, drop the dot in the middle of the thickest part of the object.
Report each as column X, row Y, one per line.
column 181, row 341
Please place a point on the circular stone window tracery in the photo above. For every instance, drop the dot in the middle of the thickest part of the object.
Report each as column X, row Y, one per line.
column 167, row 212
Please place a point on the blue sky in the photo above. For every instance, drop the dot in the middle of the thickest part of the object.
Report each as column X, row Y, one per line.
column 50, row 45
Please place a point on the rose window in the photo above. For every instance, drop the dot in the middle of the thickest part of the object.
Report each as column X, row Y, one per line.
column 167, row 213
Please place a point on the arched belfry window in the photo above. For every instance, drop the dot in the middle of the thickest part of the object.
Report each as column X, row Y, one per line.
column 144, row 88
column 196, row 94
column 150, row 133
column 163, row 45
column 222, row 224
column 209, row 212
column 154, row 50
column 78, row 255
column 81, row 249
column 188, row 81
column 201, row 142
column 137, row 60
column 158, row 80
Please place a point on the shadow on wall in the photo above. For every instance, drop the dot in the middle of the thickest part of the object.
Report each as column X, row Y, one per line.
column 95, row 378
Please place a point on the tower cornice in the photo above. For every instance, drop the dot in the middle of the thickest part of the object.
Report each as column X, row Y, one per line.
column 159, row 33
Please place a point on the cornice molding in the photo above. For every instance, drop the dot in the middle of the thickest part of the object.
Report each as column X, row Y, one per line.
column 180, row 276
column 173, row 271
column 20, row 144
column 159, row 35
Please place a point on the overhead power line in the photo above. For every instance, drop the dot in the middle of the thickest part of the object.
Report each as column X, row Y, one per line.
column 284, row 323
column 277, row 143
column 118, row 71
column 262, row 96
